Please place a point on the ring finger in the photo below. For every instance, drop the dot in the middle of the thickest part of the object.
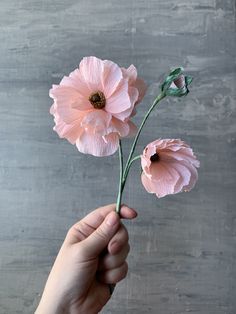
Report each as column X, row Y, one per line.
column 109, row 261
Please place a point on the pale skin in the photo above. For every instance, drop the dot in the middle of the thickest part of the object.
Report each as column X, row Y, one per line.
column 92, row 256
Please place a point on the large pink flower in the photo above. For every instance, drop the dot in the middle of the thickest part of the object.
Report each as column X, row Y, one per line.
column 169, row 167
column 93, row 105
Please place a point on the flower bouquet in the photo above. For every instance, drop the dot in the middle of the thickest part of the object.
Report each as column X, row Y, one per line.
column 93, row 108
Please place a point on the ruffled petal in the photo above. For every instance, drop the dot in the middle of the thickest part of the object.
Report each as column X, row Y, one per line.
column 69, row 131
column 132, row 129
column 91, row 69
column 130, row 73
column 97, row 145
column 147, row 183
column 122, row 128
column 160, row 171
column 181, row 155
column 119, row 100
column 130, row 111
column 193, row 178
column 76, row 81
column 161, row 188
column 135, row 81
column 124, row 115
column 96, row 121
column 112, row 76
column 141, row 87
column 68, row 97
column 133, row 95
column 184, row 177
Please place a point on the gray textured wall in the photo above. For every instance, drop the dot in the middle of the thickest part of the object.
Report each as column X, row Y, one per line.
column 183, row 247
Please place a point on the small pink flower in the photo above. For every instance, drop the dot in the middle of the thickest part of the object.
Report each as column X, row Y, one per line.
column 169, row 167
column 93, row 105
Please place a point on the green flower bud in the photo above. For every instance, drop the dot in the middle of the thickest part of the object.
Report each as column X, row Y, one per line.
column 176, row 83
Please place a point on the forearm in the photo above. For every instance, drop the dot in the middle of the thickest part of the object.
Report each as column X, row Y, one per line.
column 46, row 306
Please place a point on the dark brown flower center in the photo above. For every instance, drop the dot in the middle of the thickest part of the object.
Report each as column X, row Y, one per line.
column 98, row 100
column 155, row 158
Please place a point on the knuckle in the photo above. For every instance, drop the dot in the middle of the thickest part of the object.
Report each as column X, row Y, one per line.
column 116, row 275
column 77, row 232
column 101, row 234
column 122, row 236
column 126, row 235
column 123, row 271
column 72, row 231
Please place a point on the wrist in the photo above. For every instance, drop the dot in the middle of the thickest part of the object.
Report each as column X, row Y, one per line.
column 51, row 307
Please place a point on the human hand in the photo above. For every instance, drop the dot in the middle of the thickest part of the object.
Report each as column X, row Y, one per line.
column 92, row 257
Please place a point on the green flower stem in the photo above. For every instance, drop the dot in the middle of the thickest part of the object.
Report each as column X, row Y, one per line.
column 122, row 183
column 125, row 177
column 124, row 173
column 119, row 196
column 127, row 166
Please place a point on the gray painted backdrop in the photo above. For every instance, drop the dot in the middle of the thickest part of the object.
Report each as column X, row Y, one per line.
column 183, row 247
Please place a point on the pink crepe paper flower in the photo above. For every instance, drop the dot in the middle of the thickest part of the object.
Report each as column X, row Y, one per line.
column 93, row 105
column 169, row 167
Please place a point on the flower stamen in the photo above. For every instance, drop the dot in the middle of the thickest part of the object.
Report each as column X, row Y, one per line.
column 155, row 158
column 97, row 100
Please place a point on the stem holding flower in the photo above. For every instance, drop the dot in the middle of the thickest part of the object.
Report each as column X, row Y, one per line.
column 156, row 101
column 176, row 84
column 129, row 162
column 119, row 196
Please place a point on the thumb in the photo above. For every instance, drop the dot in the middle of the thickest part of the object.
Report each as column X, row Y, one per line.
column 97, row 241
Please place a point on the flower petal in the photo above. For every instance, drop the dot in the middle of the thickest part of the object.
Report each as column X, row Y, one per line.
column 119, row 100
column 179, row 82
column 130, row 73
column 193, row 178
column 160, row 171
column 69, row 97
column 184, row 177
column 133, row 95
column 112, row 76
column 135, row 81
column 76, row 81
column 132, row 129
column 160, row 188
column 69, row 131
column 147, row 183
column 120, row 127
column 91, row 69
column 97, row 121
column 184, row 154
column 97, row 145
column 142, row 88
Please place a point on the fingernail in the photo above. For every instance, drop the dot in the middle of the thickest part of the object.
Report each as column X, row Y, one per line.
column 112, row 219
